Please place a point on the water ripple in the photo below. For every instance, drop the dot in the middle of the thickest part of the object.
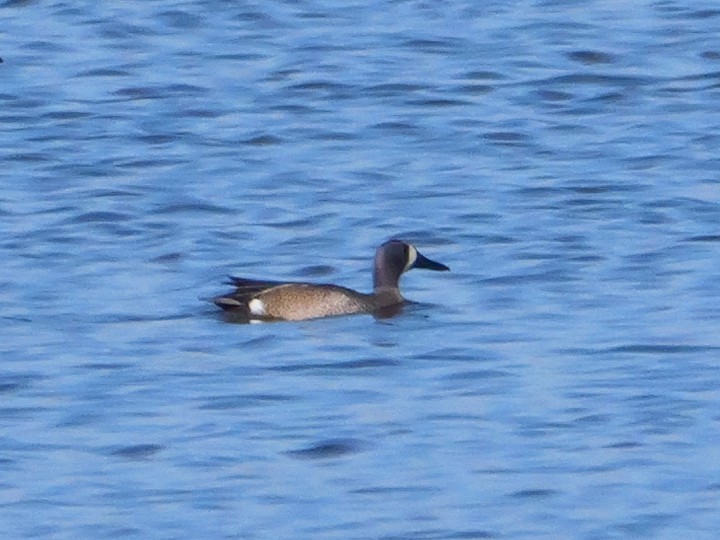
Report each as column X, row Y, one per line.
column 329, row 449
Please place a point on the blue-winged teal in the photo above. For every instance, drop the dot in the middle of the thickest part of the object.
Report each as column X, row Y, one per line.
column 294, row 301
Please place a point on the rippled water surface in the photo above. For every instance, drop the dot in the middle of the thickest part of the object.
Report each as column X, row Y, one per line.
column 562, row 157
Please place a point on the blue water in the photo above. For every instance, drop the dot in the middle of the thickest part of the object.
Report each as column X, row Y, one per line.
column 560, row 156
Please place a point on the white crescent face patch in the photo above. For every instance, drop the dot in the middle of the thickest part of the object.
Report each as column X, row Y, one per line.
column 412, row 257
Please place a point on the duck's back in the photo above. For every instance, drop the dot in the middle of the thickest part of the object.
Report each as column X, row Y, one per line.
column 293, row 301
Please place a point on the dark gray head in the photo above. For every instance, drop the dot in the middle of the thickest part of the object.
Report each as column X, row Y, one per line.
column 394, row 258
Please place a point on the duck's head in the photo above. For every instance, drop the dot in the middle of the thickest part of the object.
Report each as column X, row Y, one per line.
column 396, row 257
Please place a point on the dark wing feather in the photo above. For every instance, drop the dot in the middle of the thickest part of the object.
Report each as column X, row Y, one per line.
column 252, row 285
column 245, row 289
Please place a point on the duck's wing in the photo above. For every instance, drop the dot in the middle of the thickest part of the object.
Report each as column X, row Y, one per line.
column 252, row 285
column 245, row 290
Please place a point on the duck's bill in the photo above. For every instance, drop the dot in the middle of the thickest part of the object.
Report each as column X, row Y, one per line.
column 428, row 264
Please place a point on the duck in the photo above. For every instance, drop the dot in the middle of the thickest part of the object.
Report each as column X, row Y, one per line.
column 258, row 300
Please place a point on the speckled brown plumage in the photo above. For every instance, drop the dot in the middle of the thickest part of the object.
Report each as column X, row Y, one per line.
column 260, row 299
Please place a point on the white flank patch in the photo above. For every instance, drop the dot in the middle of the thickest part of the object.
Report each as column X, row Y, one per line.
column 257, row 307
